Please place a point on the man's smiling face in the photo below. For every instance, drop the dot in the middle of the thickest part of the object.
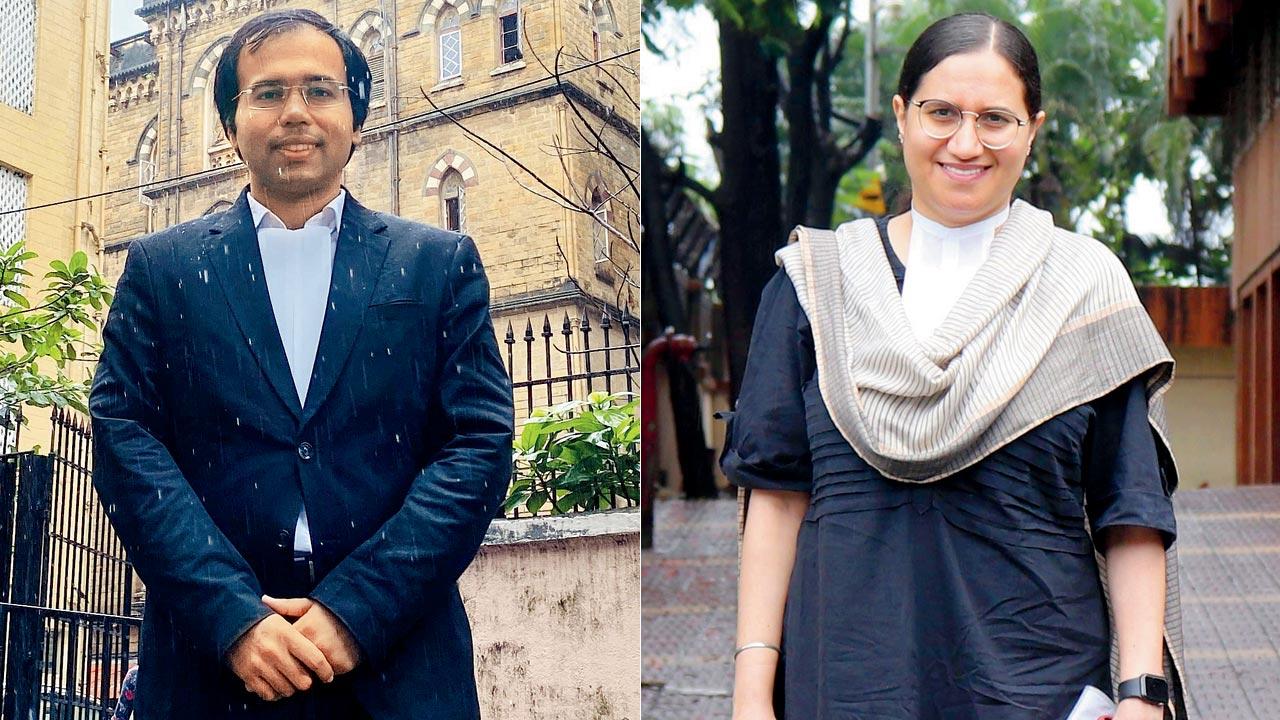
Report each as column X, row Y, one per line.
column 297, row 151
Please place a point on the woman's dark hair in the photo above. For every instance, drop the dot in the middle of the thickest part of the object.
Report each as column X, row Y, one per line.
column 251, row 35
column 970, row 32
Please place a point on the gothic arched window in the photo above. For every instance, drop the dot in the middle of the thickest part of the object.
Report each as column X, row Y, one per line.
column 453, row 201
column 449, row 29
column 599, row 231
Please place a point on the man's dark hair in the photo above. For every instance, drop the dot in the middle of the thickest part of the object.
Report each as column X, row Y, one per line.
column 970, row 32
column 251, row 35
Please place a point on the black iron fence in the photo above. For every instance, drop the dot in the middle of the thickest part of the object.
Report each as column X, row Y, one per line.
column 550, row 366
column 66, row 599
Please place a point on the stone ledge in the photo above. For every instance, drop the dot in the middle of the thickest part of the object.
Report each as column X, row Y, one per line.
column 561, row 527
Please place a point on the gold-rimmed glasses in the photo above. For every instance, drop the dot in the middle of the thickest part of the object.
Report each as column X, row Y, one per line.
column 315, row 93
column 996, row 129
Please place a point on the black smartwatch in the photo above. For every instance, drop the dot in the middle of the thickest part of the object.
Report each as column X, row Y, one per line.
column 1150, row 688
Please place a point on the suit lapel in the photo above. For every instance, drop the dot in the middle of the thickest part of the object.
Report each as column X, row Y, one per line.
column 362, row 248
column 232, row 249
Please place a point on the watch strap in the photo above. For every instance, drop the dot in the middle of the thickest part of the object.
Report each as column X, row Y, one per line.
column 1150, row 688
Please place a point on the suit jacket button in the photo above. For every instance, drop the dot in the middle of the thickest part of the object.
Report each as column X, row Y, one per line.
column 306, row 451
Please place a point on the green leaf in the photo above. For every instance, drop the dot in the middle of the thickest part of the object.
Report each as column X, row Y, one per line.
column 536, row 501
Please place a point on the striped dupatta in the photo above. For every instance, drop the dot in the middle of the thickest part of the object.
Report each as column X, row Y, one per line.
column 1050, row 321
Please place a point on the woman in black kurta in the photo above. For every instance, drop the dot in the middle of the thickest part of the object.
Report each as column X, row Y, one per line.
column 935, row 471
column 973, row 597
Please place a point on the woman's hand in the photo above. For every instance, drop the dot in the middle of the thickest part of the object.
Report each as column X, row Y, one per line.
column 1135, row 709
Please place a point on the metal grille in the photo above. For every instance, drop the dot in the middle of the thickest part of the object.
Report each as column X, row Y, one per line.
column 18, row 39
column 451, row 52
column 13, row 196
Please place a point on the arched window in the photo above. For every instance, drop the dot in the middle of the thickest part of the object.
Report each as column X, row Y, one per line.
column 600, row 218
column 449, row 29
column 217, row 150
column 509, row 31
column 368, row 33
column 602, row 23
column 146, row 142
column 453, row 201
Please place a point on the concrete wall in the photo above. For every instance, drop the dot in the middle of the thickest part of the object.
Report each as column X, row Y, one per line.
column 1201, row 409
column 555, row 616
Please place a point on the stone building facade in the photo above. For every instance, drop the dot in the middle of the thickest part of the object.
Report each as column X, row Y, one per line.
column 469, row 128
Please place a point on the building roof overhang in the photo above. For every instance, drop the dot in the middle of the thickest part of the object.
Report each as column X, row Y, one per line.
column 1199, row 68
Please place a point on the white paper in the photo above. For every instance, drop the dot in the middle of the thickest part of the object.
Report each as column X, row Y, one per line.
column 1093, row 704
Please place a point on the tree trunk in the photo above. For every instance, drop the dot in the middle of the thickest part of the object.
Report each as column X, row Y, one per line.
column 663, row 309
column 749, row 199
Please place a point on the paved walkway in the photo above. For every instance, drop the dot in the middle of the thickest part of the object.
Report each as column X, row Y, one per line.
column 1229, row 545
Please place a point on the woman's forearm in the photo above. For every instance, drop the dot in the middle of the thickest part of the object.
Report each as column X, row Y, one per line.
column 1136, row 583
column 768, row 554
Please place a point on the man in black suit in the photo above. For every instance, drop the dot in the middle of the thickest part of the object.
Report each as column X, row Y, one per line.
column 302, row 424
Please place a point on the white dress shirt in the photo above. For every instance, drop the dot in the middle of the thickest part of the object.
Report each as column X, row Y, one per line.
column 941, row 261
column 298, row 266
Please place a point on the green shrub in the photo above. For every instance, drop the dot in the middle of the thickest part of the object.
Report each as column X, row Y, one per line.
column 578, row 455
column 38, row 342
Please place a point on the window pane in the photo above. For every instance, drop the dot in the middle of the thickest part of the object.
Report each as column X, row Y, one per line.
column 453, row 214
column 510, row 38
column 18, row 39
column 13, row 194
column 599, row 234
column 450, row 54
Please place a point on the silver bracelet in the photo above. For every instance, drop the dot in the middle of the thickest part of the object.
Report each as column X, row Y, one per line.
column 754, row 645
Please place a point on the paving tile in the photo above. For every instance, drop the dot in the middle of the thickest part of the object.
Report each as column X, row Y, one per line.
column 1229, row 566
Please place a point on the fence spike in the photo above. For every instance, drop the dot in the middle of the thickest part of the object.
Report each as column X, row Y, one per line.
column 510, row 339
column 586, row 321
column 566, row 327
column 528, row 330
column 546, row 325
column 604, row 321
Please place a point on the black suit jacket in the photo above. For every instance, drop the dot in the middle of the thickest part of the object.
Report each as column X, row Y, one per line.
column 203, row 455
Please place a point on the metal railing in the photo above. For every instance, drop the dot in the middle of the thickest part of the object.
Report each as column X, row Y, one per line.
column 550, row 366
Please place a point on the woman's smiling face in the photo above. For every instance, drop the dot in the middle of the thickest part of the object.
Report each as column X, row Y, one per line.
column 957, row 180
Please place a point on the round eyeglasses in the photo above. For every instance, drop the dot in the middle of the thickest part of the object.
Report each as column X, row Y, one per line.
column 315, row 93
column 996, row 129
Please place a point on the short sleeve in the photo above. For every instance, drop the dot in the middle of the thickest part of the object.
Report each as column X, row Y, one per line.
column 1124, row 480
column 767, row 444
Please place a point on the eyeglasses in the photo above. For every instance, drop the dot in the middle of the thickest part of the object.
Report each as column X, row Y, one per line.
column 315, row 93
column 996, row 129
